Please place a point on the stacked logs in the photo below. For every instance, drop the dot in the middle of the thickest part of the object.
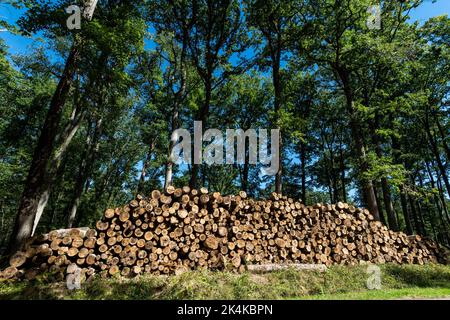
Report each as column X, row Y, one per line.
column 52, row 253
column 182, row 229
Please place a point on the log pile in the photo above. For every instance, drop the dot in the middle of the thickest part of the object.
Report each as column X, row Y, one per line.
column 182, row 229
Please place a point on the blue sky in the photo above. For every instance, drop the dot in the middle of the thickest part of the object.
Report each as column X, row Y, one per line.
column 429, row 9
column 19, row 44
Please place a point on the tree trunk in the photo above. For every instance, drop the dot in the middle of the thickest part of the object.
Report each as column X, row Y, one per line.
column 443, row 137
column 69, row 133
column 366, row 186
column 202, row 116
column 404, row 203
column 335, row 188
column 79, row 185
column 145, row 167
column 412, row 206
column 441, row 195
column 276, row 58
column 421, row 218
column 53, row 210
column 396, row 151
column 342, row 168
column 381, row 213
column 168, row 177
column 437, row 156
column 392, row 219
column 437, row 200
column 2, row 224
column 87, row 161
column 245, row 171
column 330, row 192
column 386, row 190
column 179, row 98
column 52, row 172
column 303, row 170
column 32, row 200
column 333, row 173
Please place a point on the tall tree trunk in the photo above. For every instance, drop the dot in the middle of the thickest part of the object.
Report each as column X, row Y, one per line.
column 434, row 233
column 437, row 201
column 386, row 190
column 276, row 78
column 168, row 177
column 396, row 152
column 245, row 171
column 79, row 113
column 194, row 175
column 52, row 172
column 303, row 170
column 174, row 123
column 34, row 196
column 330, row 192
column 87, row 161
column 367, row 188
column 145, row 167
column 366, row 185
column 2, row 225
column 443, row 137
column 442, row 196
column 412, row 206
column 53, row 210
column 333, row 171
column 335, row 188
column 202, row 116
column 30, row 200
column 75, row 203
column 427, row 210
column 392, row 219
column 404, row 204
column 421, row 218
column 437, row 156
column 381, row 213
column 342, row 169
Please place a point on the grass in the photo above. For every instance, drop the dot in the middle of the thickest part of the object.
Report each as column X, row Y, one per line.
column 339, row 282
column 407, row 293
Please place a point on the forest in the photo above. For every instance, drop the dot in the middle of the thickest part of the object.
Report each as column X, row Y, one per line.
column 87, row 114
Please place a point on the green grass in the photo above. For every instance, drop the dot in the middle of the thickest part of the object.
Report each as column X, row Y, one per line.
column 339, row 282
column 388, row 294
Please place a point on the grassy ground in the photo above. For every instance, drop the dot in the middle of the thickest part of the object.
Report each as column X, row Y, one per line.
column 339, row 282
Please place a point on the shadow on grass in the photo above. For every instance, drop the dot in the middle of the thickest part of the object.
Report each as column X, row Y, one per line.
column 430, row 276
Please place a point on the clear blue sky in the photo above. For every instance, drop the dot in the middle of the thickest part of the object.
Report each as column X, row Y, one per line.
column 18, row 44
column 429, row 9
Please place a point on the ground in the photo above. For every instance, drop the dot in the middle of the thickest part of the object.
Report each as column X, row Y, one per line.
column 339, row 282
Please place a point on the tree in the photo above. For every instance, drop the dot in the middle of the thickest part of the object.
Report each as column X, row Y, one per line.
column 273, row 20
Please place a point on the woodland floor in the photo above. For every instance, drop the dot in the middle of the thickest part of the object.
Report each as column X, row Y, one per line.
column 339, row 282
